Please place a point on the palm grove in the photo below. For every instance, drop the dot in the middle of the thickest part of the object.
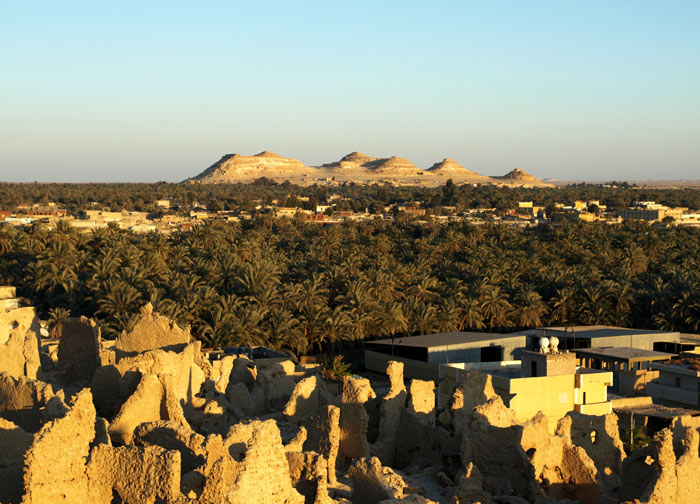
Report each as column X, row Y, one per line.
column 301, row 287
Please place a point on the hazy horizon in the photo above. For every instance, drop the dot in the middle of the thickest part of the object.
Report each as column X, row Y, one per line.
column 136, row 92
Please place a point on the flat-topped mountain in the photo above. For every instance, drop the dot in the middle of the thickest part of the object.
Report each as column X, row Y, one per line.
column 362, row 162
column 356, row 167
column 234, row 167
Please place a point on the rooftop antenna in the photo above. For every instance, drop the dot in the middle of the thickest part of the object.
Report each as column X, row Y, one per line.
column 544, row 344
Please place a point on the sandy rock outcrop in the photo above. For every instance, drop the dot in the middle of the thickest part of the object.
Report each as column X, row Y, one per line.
column 112, row 384
column 421, row 400
column 243, row 370
column 221, row 372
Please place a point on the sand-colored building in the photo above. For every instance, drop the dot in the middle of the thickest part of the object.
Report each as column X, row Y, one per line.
column 678, row 383
column 547, row 382
column 631, row 367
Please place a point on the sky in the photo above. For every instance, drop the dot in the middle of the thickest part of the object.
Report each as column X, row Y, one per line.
column 159, row 90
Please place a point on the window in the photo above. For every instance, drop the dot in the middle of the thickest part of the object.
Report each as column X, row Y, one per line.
column 677, row 381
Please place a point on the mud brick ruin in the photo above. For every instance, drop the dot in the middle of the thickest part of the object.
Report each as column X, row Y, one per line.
column 149, row 419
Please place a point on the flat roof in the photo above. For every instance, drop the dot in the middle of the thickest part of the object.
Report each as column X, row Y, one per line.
column 446, row 339
column 690, row 338
column 597, row 331
column 678, row 368
column 626, row 354
column 657, row 410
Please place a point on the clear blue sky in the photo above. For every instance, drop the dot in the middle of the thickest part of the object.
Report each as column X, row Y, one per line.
column 159, row 90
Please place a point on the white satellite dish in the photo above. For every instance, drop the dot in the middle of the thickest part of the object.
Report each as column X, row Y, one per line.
column 544, row 344
column 554, row 343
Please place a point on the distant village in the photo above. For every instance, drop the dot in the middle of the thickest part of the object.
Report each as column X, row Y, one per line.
column 172, row 215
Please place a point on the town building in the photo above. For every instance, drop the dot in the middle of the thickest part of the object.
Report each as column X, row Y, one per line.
column 602, row 336
column 631, row 367
column 546, row 381
column 650, row 211
column 678, row 383
column 422, row 355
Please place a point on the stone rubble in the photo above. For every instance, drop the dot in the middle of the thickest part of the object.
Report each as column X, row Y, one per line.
column 149, row 419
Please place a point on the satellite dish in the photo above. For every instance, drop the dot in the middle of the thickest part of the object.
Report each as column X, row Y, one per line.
column 544, row 344
column 554, row 343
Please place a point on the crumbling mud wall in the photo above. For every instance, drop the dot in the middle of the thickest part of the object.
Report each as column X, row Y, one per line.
column 19, row 343
column 154, row 421
column 23, row 401
column 151, row 332
column 392, row 408
column 354, row 418
column 658, row 474
column 78, row 350
column 54, row 465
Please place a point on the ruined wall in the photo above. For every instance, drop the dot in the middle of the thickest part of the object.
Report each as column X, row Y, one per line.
column 323, row 436
column 263, row 475
column 354, row 418
column 14, row 442
column 151, row 332
column 391, row 409
column 23, row 400
column 54, row 465
column 78, row 350
column 19, row 343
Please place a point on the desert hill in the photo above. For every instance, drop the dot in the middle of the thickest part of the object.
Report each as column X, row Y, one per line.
column 518, row 174
column 356, row 167
column 386, row 166
column 450, row 168
column 236, row 167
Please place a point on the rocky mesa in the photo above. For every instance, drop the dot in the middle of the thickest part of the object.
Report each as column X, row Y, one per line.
column 238, row 168
column 356, row 167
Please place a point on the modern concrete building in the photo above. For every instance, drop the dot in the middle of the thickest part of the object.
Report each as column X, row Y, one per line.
column 442, row 348
column 575, row 337
column 678, row 383
column 630, row 366
column 650, row 211
column 546, row 382
column 422, row 355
